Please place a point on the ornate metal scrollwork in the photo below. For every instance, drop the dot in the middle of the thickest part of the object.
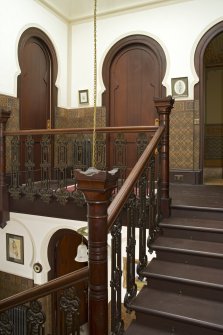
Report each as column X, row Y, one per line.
column 70, row 305
column 82, row 152
column 101, row 151
column 130, row 249
column 152, row 203
column 29, row 188
column 45, row 191
column 143, row 217
column 35, row 318
column 15, row 189
column 142, row 142
column 6, row 326
column 119, row 154
column 61, row 193
column 117, row 324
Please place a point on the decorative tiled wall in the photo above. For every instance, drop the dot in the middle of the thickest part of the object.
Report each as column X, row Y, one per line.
column 184, row 127
column 184, row 135
column 79, row 117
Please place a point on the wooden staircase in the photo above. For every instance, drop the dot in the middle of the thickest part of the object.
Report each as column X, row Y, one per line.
column 184, row 291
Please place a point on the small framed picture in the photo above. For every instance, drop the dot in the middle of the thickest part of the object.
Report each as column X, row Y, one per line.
column 179, row 87
column 14, row 248
column 83, row 97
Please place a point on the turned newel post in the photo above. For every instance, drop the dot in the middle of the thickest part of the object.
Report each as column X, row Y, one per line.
column 163, row 107
column 97, row 187
column 4, row 201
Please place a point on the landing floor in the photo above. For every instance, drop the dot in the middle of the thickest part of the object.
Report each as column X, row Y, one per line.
column 197, row 195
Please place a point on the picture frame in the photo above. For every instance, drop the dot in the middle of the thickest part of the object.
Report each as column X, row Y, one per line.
column 15, row 248
column 83, row 97
column 179, row 87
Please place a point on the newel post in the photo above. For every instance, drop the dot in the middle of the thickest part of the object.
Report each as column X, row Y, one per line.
column 4, row 201
column 97, row 187
column 163, row 107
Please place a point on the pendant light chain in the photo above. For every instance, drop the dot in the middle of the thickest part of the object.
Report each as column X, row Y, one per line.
column 94, row 153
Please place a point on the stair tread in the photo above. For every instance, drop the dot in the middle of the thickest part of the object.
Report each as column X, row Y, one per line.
column 195, row 274
column 193, row 223
column 214, row 249
column 179, row 307
column 139, row 329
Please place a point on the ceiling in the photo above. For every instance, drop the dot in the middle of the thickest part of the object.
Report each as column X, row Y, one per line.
column 79, row 10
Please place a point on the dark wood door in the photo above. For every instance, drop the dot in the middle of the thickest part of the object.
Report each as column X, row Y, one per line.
column 134, row 84
column 35, row 86
column 133, row 72
column 35, row 96
column 62, row 251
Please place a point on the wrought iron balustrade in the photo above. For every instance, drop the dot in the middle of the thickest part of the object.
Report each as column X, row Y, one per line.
column 28, row 313
column 40, row 164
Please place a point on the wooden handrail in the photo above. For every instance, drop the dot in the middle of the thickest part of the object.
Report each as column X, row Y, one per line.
column 44, row 289
column 120, row 199
column 134, row 129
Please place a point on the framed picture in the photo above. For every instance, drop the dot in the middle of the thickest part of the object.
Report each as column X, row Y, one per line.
column 15, row 248
column 179, row 87
column 83, row 97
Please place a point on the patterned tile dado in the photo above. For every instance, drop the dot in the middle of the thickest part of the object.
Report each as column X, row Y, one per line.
column 10, row 104
column 79, row 118
column 184, row 136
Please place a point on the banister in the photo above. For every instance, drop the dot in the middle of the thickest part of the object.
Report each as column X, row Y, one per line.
column 44, row 289
column 117, row 204
column 133, row 129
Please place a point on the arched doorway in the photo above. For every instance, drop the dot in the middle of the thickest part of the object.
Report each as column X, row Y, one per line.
column 37, row 91
column 133, row 71
column 62, row 250
column 209, row 67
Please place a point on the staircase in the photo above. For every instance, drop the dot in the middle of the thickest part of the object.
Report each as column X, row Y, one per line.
column 184, row 291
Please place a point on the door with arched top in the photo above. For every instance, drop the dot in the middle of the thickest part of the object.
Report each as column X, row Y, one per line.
column 37, row 92
column 208, row 92
column 133, row 71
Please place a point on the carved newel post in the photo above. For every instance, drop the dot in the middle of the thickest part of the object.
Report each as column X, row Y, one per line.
column 97, row 187
column 4, row 201
column 163, row 107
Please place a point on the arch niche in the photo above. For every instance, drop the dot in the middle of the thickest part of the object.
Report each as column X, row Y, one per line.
column 205, row 47
column 133, row 71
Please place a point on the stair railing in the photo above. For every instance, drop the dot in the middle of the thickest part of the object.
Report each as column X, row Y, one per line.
column 36, row 317
column 141, row 201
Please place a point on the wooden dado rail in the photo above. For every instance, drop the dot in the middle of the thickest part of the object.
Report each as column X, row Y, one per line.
column 98, row 187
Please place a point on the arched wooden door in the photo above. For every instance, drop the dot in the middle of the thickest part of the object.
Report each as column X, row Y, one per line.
column 208, row 64
column 133, row 71
column 37, row 92
column 62, row 250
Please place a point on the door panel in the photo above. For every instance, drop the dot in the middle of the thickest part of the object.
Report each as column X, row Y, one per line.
column 133, row 76
column 35, row 86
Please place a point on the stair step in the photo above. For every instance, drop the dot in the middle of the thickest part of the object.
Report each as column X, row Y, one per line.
column 186, row 309
column 139, row 329
column 215, row 226
column 185, row 273
column 196, row 247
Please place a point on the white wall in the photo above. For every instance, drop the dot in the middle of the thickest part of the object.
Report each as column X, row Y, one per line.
column 36, row 231
column 178, row 28
column 15, row 17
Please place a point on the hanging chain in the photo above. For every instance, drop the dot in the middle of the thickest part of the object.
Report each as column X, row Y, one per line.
column 94, row 153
